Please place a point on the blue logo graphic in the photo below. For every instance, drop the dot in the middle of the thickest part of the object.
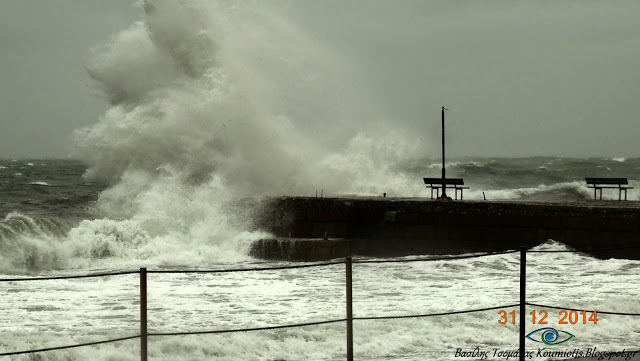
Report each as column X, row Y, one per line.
column 550, row 336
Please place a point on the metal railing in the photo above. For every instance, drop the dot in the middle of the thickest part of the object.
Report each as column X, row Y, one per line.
column 144, row 334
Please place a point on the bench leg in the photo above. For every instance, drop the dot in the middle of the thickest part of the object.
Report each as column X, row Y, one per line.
column 431, row 192
column 455, row 191
column 619, row 194
column 625, row 194
column 600, row 193
column 594, row 193
column 461, row 193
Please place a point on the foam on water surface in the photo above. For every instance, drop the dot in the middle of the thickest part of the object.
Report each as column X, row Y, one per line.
column 106, row 307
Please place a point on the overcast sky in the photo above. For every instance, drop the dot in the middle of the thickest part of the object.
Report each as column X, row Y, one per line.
column 556, row 78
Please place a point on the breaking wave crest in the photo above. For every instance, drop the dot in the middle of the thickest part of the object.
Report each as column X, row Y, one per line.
column 34, row 244
column 559, row 191
column 31, row 243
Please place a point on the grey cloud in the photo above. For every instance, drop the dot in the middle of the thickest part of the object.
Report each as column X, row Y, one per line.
column 520, row 78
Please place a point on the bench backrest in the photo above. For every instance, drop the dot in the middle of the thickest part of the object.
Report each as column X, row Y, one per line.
column 606, row 180
column 451, row 181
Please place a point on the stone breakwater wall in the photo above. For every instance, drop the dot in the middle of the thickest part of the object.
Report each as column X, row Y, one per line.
column 309, row 229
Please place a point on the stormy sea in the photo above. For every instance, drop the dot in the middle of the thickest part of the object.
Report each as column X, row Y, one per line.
column 54, row 223
column 203, row 110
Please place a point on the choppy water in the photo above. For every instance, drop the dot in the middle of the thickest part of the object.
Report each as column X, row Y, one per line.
column 49, row 187
column 57, row 312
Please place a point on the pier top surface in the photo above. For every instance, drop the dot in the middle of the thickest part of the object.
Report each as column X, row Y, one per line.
column 625, row 209
column 561, row 203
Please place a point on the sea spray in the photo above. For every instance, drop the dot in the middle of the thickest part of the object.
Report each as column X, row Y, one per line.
column 191, row 129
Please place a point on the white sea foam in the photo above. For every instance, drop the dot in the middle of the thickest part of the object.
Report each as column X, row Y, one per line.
column 438, row 166
column 621, row 159
column 106, row 307
column 40, row 183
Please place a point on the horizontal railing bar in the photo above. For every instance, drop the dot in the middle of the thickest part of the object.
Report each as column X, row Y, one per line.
column 250, row 269
column 244, row 329
column 575, row 309
column 432, row 259
column 433, row 314
column 68, row 277
column 585, row 250
column 71, row 346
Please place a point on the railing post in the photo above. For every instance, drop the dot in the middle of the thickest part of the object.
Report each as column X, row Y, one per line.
column 349, row 312
column 143, row 314
column 523, row 290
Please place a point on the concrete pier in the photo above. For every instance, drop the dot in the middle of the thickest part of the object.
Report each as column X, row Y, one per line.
column 311, row 229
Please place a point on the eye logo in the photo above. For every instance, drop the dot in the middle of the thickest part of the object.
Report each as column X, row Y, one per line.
column 550, row 336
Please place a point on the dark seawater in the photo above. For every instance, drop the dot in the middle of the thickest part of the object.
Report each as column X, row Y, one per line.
column 40, row 200
column 56, row 188
column 50, row 187
column 535, row 178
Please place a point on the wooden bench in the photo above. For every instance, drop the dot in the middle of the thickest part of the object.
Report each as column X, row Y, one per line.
column 454, row 183
column 616, row 183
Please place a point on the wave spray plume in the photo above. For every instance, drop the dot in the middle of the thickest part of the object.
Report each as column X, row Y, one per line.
column 195, row 123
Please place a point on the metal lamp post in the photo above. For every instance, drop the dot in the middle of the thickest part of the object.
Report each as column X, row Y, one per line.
column 444, row 187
